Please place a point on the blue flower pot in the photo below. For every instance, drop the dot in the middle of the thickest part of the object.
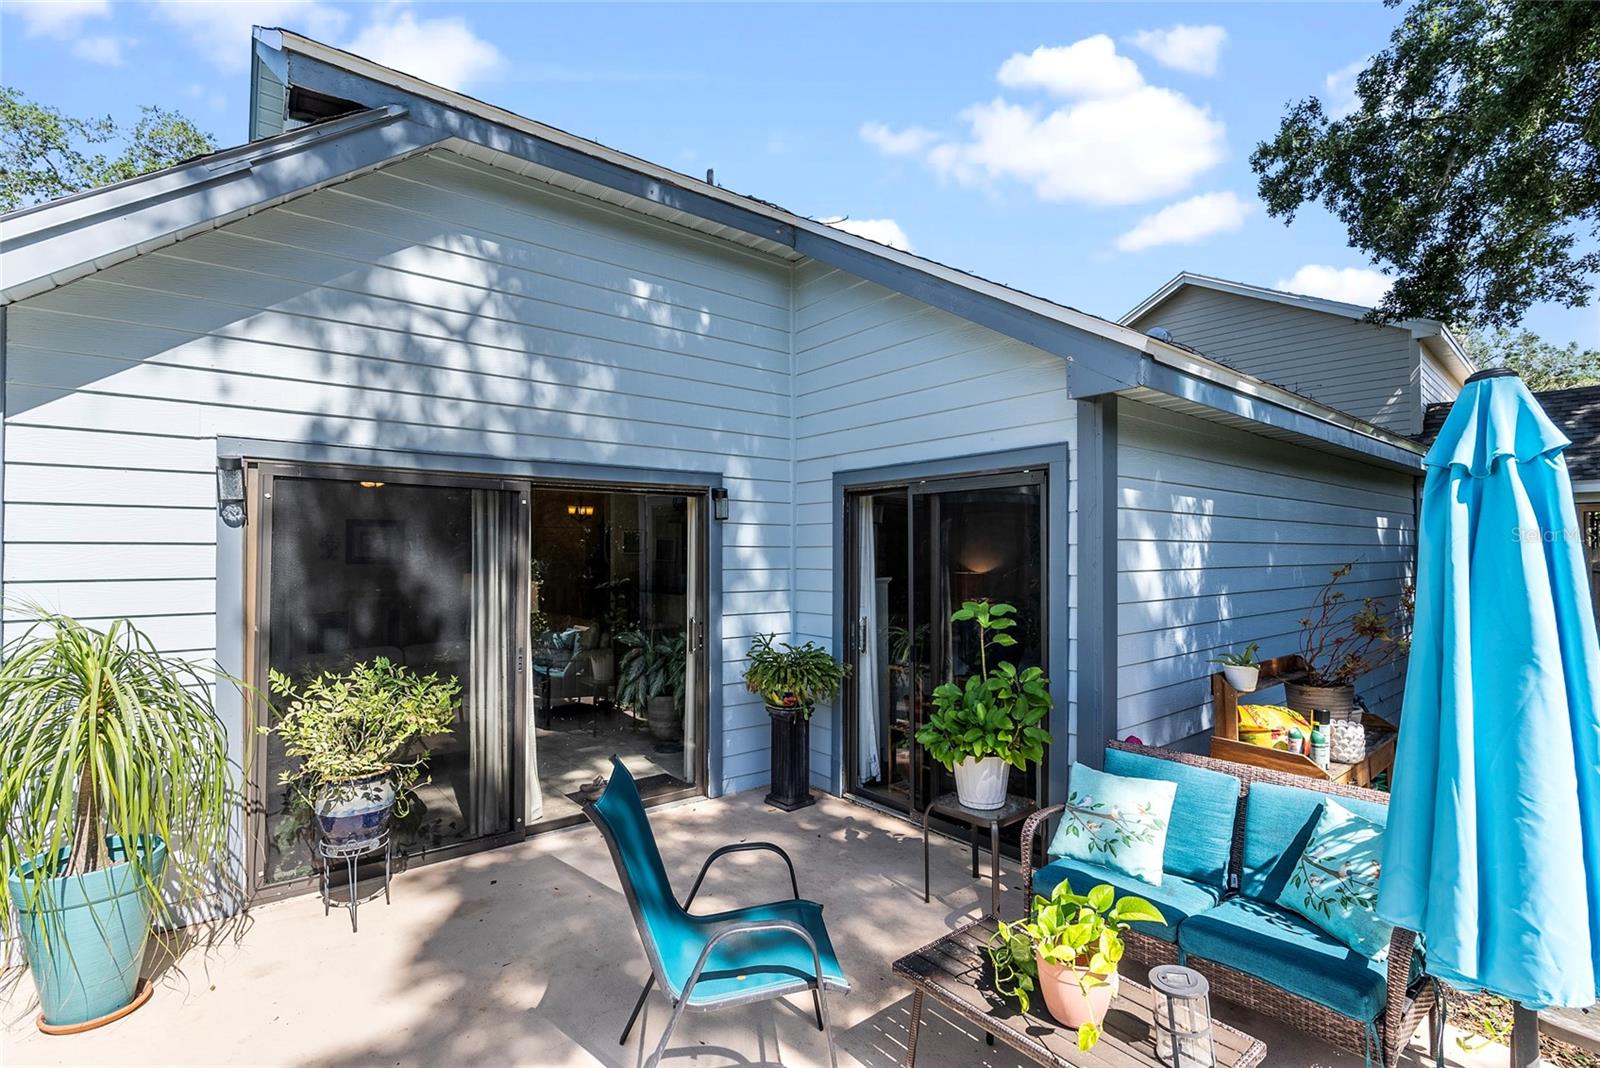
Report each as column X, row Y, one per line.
column 355, row 813
column 84, row 940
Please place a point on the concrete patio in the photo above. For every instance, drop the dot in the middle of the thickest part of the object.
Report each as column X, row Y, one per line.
column 526, row 955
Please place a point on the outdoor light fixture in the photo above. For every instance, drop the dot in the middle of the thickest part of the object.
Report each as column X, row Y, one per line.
column 230, row 490
column 1182, row 1017
column 580, row 509
column 371, row 485
column 719, row 503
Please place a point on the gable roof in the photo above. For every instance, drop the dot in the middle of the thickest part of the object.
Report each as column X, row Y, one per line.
column 394, row 115
column 1433, row 334
column 1575, row 411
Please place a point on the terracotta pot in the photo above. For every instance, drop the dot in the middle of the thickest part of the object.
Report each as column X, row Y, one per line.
column 1339, row 700
column 1064, row 995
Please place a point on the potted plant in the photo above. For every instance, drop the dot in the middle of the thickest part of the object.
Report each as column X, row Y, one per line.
column 1341, row 643
column 791, row 680
column 651, row 679
column 357, row 736
column 992, row 723
column 118, row 798
column 1068, row 950
column 1242, row 670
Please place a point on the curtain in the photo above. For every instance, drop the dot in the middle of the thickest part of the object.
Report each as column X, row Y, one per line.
column 492, row 641
column 869, row 665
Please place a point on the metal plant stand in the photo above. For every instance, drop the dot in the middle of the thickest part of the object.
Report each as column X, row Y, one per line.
column 352, row 855
column 996, row 819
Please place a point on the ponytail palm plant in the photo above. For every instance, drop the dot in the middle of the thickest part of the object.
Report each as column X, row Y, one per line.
column 111, row 755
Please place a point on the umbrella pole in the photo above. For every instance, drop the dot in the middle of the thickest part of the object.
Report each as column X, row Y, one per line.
column 1524, row 1037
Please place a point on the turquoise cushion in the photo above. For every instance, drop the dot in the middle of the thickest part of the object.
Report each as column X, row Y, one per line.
column 1115, row 820
column 1280, row 948
column 1177, row 898
column 1278, row 821
column 1335, row 882
column 1200, row 834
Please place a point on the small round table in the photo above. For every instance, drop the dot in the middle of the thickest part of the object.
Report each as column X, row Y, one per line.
column 329, row 852
column 1015, row 810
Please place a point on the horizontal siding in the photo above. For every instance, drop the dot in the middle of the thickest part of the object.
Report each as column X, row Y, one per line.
column 1361, row 368
column 1437, row 385
column 435, row 306
column 1225, row 539
column 880, row 380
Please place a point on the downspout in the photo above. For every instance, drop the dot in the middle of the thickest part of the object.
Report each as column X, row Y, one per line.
column 1097, row 576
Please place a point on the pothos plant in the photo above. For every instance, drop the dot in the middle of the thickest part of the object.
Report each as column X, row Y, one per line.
column 792, row 676
column 996, row 712
column 1082, row 932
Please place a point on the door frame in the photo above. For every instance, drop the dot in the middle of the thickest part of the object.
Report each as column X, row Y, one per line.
column 237, row 595
column 969, row 472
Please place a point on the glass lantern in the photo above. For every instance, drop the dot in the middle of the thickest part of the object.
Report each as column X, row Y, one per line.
column 1182, row 1017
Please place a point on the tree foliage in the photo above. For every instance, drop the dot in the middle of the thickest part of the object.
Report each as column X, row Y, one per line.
column 1542, row 365
column 1469, row 162
column 45, row 153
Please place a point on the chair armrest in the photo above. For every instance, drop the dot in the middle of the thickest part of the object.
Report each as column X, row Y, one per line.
column 1402, row 948
column 750, row 927
column 740, row 847
column 1030, row 827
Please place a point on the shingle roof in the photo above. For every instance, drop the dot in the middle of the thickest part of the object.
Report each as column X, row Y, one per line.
column 1576, row 411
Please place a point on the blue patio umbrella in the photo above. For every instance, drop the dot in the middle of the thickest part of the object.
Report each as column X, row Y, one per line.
column 1492, row 849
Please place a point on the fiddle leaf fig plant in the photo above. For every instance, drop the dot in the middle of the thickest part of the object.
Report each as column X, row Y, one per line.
column 1082, row 932
column 792, row 676
column 996, row 712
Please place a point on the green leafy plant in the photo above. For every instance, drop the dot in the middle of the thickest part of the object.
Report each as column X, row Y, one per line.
column 1342, row 640
column 791, row 676
column 1244, row 659
column 653, row 666
column 101, row 734
column 996, row 712
column 351, row 725
column 1078, row 931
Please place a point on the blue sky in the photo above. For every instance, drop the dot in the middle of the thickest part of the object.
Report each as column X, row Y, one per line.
column 1084, row 152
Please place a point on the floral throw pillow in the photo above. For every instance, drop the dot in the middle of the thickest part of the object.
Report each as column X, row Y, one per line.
column 1116, row 821
column 1335, row 882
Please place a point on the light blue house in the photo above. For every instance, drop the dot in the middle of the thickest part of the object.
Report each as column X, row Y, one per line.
column 411, row 376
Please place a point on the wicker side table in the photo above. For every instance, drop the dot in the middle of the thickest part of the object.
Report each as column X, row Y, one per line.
column 1015, row 810
column 329, row 853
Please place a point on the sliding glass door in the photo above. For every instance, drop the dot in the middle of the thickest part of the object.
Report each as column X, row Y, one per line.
column 915, row 552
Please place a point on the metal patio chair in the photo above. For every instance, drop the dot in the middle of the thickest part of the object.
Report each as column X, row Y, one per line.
column 727, row 958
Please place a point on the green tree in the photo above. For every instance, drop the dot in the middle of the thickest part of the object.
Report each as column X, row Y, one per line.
column 45, row 153
column 1541, row 364
column 1471, row 162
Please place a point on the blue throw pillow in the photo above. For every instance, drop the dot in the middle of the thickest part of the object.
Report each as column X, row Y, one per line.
column 1117, row 821
column 1335, row 882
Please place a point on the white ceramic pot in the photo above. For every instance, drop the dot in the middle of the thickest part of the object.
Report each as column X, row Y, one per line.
column 1241, row 678
column 982, row 783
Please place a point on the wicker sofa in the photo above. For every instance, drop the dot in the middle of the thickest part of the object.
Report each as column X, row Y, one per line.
column 1234, row 833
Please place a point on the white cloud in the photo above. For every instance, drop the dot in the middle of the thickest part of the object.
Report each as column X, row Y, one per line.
column 220, row 30
column 1086, row 68
column 58, row 18
column 883, row 231
column 1341, row 89
column 1187, row 221
column 103, row 50
column 1120, row 150
column 444, row 51
column 908, row 142
column 1194, row 49
column 1352, row 285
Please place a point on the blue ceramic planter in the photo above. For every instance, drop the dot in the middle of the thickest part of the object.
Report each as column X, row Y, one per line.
column 356, row 813
column 85, row 945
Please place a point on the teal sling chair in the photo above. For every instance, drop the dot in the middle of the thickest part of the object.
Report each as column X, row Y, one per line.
column 710, row 962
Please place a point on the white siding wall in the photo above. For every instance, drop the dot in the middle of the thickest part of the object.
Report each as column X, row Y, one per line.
column 1225, row 539
column 1438, row 387
column 1357, row 367
column 881, row 380
column 438, row 306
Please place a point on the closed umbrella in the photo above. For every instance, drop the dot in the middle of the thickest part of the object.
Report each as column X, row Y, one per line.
column 1492, row 849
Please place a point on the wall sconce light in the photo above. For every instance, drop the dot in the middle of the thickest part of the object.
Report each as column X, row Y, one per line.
column 230, row 490
column 719, row 503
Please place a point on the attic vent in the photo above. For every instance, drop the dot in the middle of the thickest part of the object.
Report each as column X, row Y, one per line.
column 1160, row 333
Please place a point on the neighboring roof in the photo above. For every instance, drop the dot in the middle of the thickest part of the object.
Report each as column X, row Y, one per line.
column 1575, row 411
column 1448, row 346
column 54, row 243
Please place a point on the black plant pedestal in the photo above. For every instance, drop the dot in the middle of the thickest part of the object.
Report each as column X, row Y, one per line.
column 791, row 759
